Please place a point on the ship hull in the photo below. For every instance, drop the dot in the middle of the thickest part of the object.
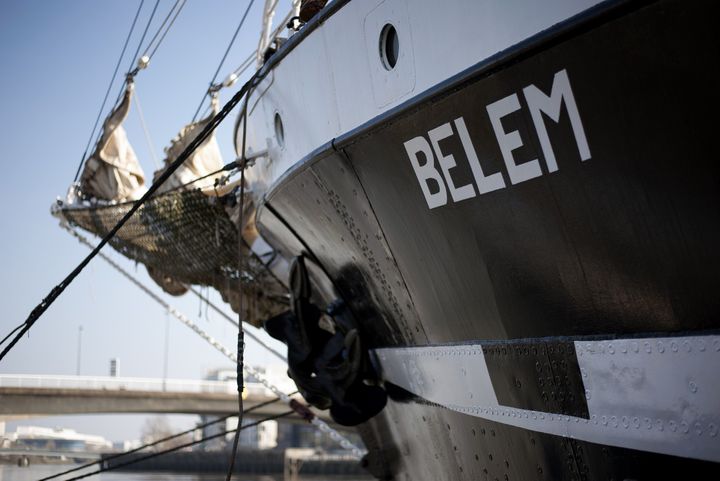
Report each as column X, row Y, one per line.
column 565, row 188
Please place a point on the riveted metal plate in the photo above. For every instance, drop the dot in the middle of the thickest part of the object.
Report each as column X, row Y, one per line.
column 539, row 376
column 652, row 394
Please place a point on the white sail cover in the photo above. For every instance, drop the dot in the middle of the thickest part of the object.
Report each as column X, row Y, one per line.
column 113, row 172
column 203, row 161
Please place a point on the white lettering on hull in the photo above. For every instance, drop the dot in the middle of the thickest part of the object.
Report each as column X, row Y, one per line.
column 426, row 171
column 485, row 183
column 447, row 162
column 538, row 103
column 509, row 141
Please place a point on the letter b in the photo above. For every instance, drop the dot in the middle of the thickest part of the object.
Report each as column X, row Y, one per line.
column 426, row 171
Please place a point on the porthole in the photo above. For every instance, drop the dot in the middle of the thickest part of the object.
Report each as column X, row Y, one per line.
column 279, row 130
column 389, row 46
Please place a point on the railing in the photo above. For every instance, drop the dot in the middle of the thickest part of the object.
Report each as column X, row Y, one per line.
column 267, row 35
column 128, row 384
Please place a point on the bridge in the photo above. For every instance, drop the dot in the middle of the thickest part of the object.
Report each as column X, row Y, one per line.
column 49, row 395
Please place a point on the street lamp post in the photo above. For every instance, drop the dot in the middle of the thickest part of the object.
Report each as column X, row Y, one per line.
column 167, row 347
column 79, row 350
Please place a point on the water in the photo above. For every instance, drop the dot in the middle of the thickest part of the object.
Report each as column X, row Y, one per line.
column 9, row 472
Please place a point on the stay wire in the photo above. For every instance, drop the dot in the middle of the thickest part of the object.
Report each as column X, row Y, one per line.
column 222, row 313
column 241, row 333
column 182, row 5
column 40, row 309
column 148, row 138
column 147, row 27
column 181, row 446
column 225, row 168
column 107, row 93
column 11, row 333
column 157, row 298
column 232, row 41
column 197, row 111
column 245, row 64
column 159, row 441
column 134, row 68
column 132, row 71
column 297, row 406
column 224, row 57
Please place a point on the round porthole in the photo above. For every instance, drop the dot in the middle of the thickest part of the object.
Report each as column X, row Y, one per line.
column 279, row 130
column 389, row 46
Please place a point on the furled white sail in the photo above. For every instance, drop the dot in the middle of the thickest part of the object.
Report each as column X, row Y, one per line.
column 205, row 160
column 113, row 172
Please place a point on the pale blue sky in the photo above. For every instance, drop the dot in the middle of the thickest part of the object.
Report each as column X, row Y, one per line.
column 56, row 59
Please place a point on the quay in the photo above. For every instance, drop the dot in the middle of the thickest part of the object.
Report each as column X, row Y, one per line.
column 248, row 461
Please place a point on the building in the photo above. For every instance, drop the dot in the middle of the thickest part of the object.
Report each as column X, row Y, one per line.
column 60, row 439
column 263, row 436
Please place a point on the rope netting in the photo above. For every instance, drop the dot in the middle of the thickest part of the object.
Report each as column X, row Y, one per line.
column 186, row 237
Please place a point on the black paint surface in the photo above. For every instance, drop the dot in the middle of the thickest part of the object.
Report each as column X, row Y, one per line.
column 623, row 243
column 537, row 375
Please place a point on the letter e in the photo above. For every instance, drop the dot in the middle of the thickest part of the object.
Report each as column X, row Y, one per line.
column 509, row 141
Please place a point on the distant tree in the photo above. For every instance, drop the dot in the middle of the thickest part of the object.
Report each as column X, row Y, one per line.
column 158, row 427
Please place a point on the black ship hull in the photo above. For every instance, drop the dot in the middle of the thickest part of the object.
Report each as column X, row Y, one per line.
column 563, row 190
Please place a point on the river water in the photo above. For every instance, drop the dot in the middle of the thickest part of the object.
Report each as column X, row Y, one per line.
column 10, row 472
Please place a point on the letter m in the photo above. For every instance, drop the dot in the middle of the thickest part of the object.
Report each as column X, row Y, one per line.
column 539, row 103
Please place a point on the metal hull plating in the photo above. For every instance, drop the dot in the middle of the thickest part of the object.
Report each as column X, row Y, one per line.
column 617, row 237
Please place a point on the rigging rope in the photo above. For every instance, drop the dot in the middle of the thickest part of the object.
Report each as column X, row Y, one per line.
column 146, row 131
column 19, row 326
column 159, row 441
column 147, row 26
column 55, row 292
column 230, row 79
column 130, row 71
column 222, row 313
column 232, row 41
column 147, row 49
column 222, row 61
column 225, row 168
column 181, row 446
column 139, row 63
column 192, row 146
column 299, row 407
column 146, row 58
column 241, row 331
column 107, row 93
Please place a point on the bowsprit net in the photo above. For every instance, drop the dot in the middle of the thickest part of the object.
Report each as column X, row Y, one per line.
column 186, row 237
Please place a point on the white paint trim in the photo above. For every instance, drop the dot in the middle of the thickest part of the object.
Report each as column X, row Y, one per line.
column 655, row 394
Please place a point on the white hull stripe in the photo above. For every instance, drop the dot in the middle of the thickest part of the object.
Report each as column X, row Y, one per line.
column 654, row 394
